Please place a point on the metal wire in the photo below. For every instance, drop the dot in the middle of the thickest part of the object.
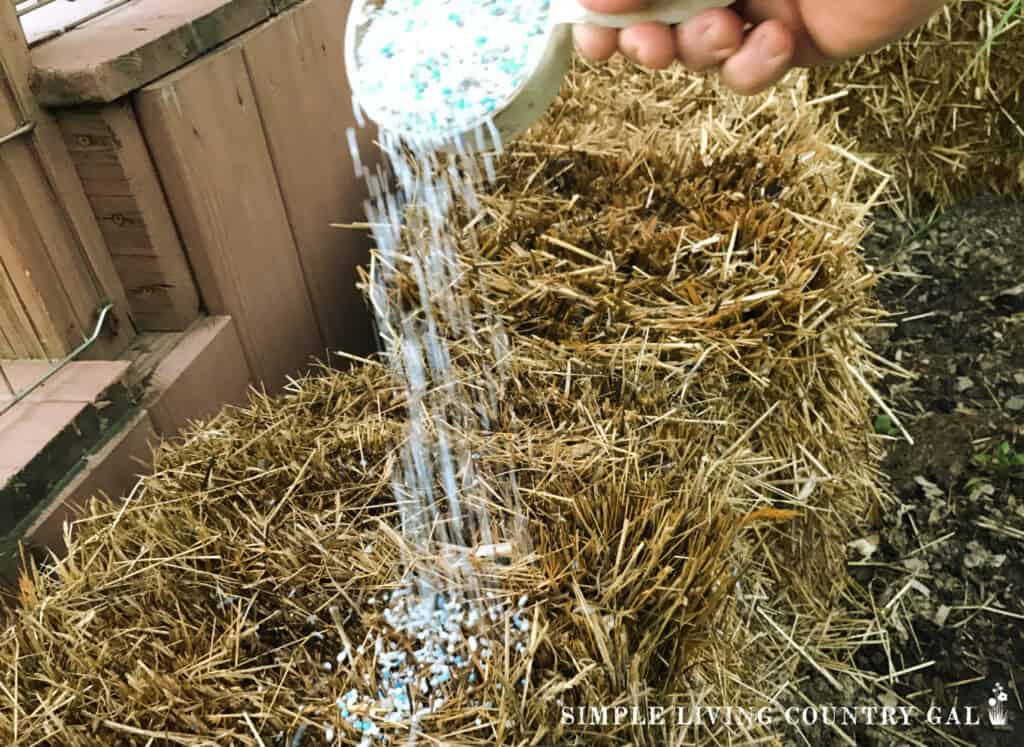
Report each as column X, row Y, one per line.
column 104, row 312
column 18, row 132
column 25, row 129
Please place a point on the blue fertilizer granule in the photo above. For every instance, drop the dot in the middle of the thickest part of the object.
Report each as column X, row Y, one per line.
column 425, row 648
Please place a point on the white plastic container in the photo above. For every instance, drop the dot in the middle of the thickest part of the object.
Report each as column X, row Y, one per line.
column 528, row 102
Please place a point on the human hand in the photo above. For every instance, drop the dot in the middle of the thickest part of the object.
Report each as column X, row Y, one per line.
column 754, row 43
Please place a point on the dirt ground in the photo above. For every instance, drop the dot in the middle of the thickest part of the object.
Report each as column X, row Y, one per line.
column 952, row 547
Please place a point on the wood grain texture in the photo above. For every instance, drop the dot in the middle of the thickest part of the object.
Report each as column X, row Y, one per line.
column 47, row 314
column 111, row 471
column 110, row 155
column 53, row 251
column 117, row 53
column 205, row 370
column 17, row 340
column 206, row 137
column 296, row 64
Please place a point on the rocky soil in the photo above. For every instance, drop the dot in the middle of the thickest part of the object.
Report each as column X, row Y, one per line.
column 952, row 547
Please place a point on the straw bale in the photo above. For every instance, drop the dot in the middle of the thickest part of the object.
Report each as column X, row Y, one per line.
column 678, row 273
column 942, row 111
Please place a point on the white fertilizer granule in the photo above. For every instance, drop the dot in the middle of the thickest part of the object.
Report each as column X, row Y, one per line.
column 439, row 67
column 426, row 647
column 432, row 70
column 426, row 644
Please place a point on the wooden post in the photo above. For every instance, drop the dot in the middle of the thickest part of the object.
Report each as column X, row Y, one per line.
column 17, row 339
column 54, row 263
column 297, row 67
column 124, row 191
column 207, row 141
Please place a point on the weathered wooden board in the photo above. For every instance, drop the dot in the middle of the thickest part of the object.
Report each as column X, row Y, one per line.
column 204, row 131
column 37, row 298
column 121, row 51
column 110, row 155
column 112, row 470
column 296, row 64
column 51, row 248
column 16, row 337
column 204, row 371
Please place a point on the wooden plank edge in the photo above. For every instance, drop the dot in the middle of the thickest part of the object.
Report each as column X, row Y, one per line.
column 165, row 297
column 205, row 370
column 112, row 470
column 196, row 378
column 60, row 79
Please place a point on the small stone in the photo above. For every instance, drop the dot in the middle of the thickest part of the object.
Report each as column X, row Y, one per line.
column 963, row 383
column 865, row 546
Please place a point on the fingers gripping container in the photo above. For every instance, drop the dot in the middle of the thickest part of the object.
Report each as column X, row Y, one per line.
column 522, row 106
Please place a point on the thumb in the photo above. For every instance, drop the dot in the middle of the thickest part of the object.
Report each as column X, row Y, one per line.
column 614, row 6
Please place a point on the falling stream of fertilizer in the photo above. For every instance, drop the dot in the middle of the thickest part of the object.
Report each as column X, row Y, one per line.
column 443, row 504
column 420, row 292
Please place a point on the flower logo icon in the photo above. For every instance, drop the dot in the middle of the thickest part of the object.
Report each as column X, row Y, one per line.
column 998, row 712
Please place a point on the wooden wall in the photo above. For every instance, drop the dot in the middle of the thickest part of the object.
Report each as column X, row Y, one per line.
column 208, row 188
column 305, row 106
column 205, row 135
column 121, row 183
column 55, row 272
column 249, row 143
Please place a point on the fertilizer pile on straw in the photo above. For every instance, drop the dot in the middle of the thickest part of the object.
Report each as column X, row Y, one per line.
column 686, row 417
column 943, row 110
